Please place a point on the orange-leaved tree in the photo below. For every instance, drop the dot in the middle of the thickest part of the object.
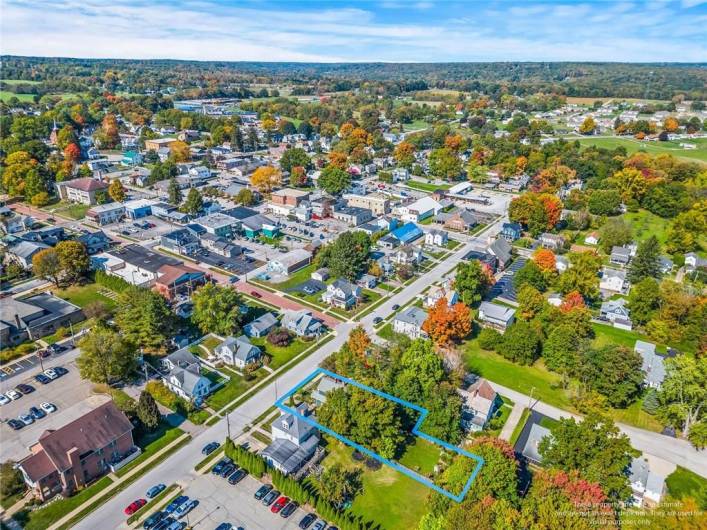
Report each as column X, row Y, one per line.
column 446, row 325
column 545, row 259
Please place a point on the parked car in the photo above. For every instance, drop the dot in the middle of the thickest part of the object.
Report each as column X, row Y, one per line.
column 51, row 374
column 44, row 353
column 279, row 504
column 224, row 526
column 15, row 425
column 307, row 521
column 134, row 506
column 262, row 491
column 289, row 510
column 186, row 508
column 13, row 395
column 4, row 400
column 176, row 503
column 164, row 523
column 47, row 407
column 155, row 490
column 210, row 448
column 36, row 413
column 233, row 279
column 256, row 294
column 26, row 419
column 377, row 320
column 24, row 388
column 270, row 497
column 227, row 470
column 177, row 525
column 56, row 348
column 237, row 476
column 60, row 370
column 41, row 378
column 319, row 525
column 220, row 465
column 152, row 521
column 395, row 307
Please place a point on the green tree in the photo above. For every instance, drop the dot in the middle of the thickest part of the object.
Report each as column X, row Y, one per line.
column 646, row 262
column 105, row 356
column 148, row 412
column 561, row 350
column 421, row 371
column 339, row 485
column 174, row 194
column 295, row 157
column 530, row 274
column 347, row 256
column 144, row 318
column 683, row 394
column 334, row 180
column 614, row 372
column 19, row 167
column 521, row 343
column 217, row 309
column 595, row 448
column 644, row 300
column 74, row 259
column 651, row 404
column 237, row 143
column 615, row 232
column 445, row 163
column 11, row 481
column 604, row 202
column 472, row 282
column 194, row 202
column 530, row 302
column 46, row 264
column 245, row 197
column 582, row 276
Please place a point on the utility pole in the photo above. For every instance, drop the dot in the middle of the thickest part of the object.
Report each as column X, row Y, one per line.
column 228, row 424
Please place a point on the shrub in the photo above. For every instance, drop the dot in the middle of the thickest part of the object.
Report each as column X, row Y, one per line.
column 61, row 333
column 113, row 283
column 489, row 339
column 169, row 399
column 279, row 337
column 27, row 347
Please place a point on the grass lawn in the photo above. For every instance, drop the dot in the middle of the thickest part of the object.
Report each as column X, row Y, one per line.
column 421, row 456
column 281, row 354
column 74, row 211
column 387, row 287
column 261, row 437
column 519, row 426
column 82, row 295
column 19, row 82
column 610, row 335
column 391, row 499
column 645, row 224
column 231, row 390
column 211, row 342
column 452, row 244
column 294, row 279
column 426, row 186
column 415, row 125
column 500, row 418
column 6, row 95
column 11, row 500
column 44, row 517
column 683, row 483
column 151, row 443
column 699, row 154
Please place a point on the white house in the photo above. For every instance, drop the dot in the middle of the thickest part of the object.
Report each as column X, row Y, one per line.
column 436, row 237
column 592, row 238
column 496, row 316
column 480, row 403
column 614, row 281
column 294, row 441
column 238, row 351
column 648, row 487
column 302, row 323
column 342, row 293
column 407, row 255
column 438, row 292
column 184, row 377
column 419, row 210
column 409, row 322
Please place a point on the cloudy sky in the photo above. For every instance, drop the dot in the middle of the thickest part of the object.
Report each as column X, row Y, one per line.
column 345, row 31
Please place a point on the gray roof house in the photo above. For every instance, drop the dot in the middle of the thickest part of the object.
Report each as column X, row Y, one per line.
column 496, row 316
column 616, row 312
column 34, row 317
column 302, row 323
column 326, row 385
column 21, row 252
column 294, row 441
column 184, row 377
column 536, row 435
column 342, row 293
column 409, row 322
column 648, row 486
column 261, row 326
column 238, row 351
column 620, row 255
column 502, row 250
column 653, row 365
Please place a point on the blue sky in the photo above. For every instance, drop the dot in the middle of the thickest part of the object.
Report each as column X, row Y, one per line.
column 347, row 31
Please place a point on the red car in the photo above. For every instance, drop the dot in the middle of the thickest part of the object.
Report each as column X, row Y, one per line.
column 134, row 506
column 279, row 504
column 256, row 294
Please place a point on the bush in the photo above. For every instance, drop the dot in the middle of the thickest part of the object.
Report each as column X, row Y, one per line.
column 650, row 402
column 489, row 339
column 61, row 333
column 113, row 283
column 279, row 337
column 27, row 347
column 169, row 399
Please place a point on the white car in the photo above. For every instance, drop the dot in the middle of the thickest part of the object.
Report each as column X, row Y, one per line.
column 4, row 400
column 51, row 374
column 47, row 407
column 13, row 395
column 26, row 419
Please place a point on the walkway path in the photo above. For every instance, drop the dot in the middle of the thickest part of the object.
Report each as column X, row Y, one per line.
column 511, row 422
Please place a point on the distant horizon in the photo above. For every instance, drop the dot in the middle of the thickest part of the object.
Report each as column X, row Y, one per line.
column 363, row 31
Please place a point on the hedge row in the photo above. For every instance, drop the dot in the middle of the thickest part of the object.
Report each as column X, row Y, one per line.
column 114, row 283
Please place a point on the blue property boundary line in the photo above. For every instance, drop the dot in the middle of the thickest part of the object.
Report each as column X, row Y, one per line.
column 280, row 403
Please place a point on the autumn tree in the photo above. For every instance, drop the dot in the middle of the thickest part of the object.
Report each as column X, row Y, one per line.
column 539, row 212
column 116, row 190
column 530, row 302
column 359, row 341
column 582, row 276
column 338, row 159
column 404, row 154
column 671, row 124
column 179, row 151
column 298, row 176
column 265, row 178
column 108, row 135
column 446, row 325
column 631, row 183
column 46, row 264
column 588, row 126
column 545, row 259
column 572, row 301
column 73, row 259
column 19, row 167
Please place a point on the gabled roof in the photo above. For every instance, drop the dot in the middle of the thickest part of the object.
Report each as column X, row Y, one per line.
column 263, row 322
column 86, row 184
column 496, row 312
column 412, row 315
column 501, row 249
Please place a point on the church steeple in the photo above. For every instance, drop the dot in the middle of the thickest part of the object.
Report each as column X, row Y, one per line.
column 53, row 135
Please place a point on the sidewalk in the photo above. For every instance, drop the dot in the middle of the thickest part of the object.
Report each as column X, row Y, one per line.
column 106, row 493
column 511, row 422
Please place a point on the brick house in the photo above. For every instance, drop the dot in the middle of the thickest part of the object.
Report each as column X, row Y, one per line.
column 67, row 459
column 81, row 190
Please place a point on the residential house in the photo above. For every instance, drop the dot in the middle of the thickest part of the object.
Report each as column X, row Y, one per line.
column 694, row 262
column 436, row 237
column 238, row 351
column 183, row 376
column 407, row 255
column 131, row 158
column 133, row 263
column 462, row 220
column 175, row 280
column 220, row 245
column 342, row 293
column 352, row 216
column 103, row 214
column 551, row 241
column 613, row 281
column 261, row 326
column 531, row 448
column 480, row 403
column 49, row 235
column 82, row 190
column 302, row 323
column 400, row 174
column 181, row 241
column 592, row 238
column 437, row 292
column 294, row 441
column 22, row 252
column 648, row 486
column 326, row 385
column 511, row 231
column 95, row 242
column 620, row 256
column 562, row 264
column 496, row 316
column 419, row 210
column 34, row 317
column 486, row 259
column 218, row 224
column 259, row 224
column 290, row 262
column 616, row 312
column 367, row 281
column 653, row 365
column 502, row 250
column 665, row 264
column 12, row 223
column 69, row 458
column 320, row 275
column 409, row 322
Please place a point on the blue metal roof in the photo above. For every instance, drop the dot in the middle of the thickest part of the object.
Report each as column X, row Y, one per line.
column 408, row 232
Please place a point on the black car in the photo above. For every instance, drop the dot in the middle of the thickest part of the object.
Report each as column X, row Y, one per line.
column 395, row 307
column 24, row 389
column 60, row 370
column 176, row 503
column 210, row 448
column 377, row 320
column 307, row 521
column 262, row 491
column 164, row 523
column 237, row 476
column 36, row 413
column 56, row 348
column 152, row 521
column 289, row 510
column 15, row 425
column 41, row 378
column 227, row 470
column 224, row 526
column 270, row 497
column 218, row 468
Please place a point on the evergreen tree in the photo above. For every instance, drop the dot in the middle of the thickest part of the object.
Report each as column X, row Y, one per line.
column 174, row 193
column 646, row 262
column 237, row 143
column 194, row 202
column 147, row 411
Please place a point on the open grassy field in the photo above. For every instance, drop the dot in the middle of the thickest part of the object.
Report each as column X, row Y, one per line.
column 655, row 148
column 82, row 295
column 19, row 82
column 645, row 224
column 6, row 95
column 426, row 186
column 683, row 483
column 416, row 125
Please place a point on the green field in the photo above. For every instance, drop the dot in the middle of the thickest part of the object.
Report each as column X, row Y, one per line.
column 683, row 483
column 415, row 125
column 82, row 295
column 645, row 224
column 19, row 82
column 6, row 95
column 426, row 186
column 281, row 354
column 655, row 148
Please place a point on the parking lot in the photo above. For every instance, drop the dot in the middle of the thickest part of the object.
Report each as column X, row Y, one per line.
column 221, row 502
column 70, row 394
